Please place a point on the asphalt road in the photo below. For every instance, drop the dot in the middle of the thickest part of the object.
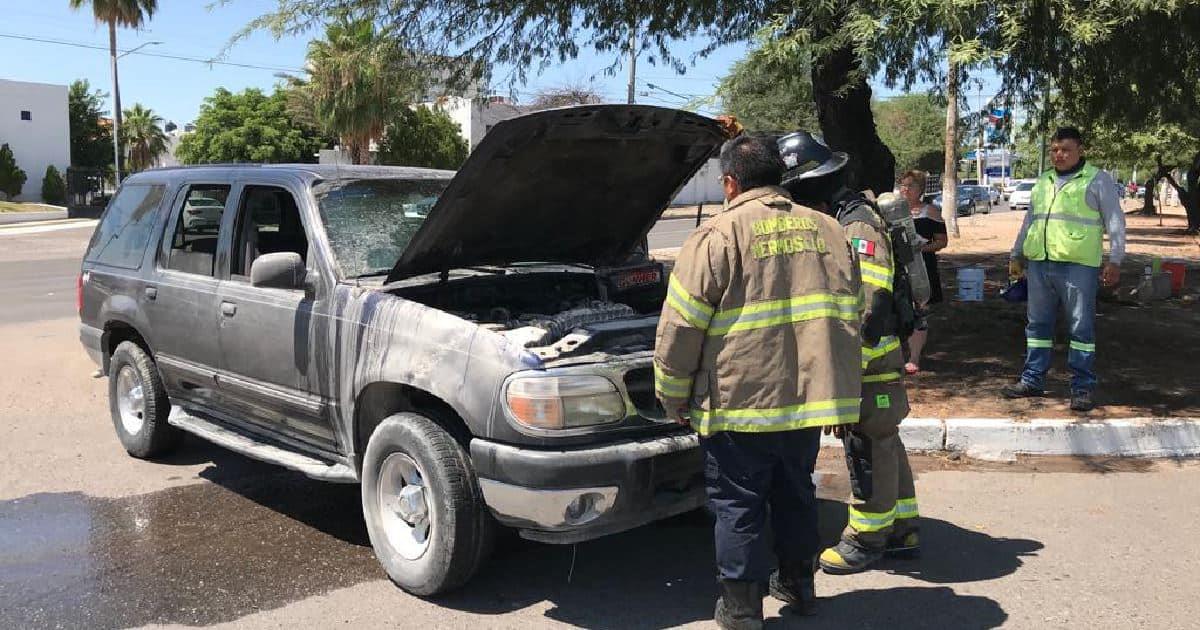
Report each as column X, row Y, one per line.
column 90, row 537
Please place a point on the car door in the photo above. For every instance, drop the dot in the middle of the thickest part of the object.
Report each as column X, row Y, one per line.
column 180, row 297
column 266, row 333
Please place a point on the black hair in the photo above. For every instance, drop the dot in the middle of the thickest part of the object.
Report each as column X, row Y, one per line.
column 753, row 160
column 1067, row 133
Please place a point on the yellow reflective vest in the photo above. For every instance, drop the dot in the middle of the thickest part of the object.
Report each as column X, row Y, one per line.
column 1063, row 227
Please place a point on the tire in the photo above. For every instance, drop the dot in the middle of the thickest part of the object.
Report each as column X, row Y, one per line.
column 139, row 404
column 459, row 531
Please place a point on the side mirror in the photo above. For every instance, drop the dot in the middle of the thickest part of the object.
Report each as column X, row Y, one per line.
column 283, row 270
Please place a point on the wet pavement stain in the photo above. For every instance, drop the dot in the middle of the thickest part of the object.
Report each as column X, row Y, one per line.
column 193, row 555
column 257, row 538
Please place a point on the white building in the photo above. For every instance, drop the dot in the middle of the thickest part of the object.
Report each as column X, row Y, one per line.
column 476, row 116
column 35, row 125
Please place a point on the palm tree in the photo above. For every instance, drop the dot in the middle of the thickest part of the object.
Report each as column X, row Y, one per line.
column 144, row 137
column 357, row 75
column 128, row 13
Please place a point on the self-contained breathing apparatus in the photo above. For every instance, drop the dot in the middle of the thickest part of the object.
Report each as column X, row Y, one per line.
column 815, row 175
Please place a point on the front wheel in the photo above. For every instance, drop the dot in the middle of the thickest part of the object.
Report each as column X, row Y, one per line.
column 422, row 505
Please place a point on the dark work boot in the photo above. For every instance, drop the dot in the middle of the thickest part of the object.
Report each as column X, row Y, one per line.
column 1021, row 390
column 793, row 585
column 1082, row 401
column 848, row 557
column 740, row 606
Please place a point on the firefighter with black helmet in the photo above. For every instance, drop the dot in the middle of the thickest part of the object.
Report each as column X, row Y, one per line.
column 883, row 511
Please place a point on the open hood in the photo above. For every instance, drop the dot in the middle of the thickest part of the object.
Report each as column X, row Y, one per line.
column 572, row 185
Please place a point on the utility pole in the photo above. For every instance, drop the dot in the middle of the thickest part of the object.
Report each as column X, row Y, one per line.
column 632, row 60
column 979, row 144
column 112, row 41
column 1043, row 128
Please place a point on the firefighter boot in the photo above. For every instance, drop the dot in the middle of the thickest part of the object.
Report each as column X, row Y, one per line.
column 793, row 585
column 848, row 557
column 740, row 606
column 904, row 544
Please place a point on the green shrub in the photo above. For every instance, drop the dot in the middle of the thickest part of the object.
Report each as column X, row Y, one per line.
column 54, row 189
column 12, row 178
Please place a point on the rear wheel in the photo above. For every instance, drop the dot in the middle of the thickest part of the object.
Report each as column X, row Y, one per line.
column 139, row 404
column 422, row 505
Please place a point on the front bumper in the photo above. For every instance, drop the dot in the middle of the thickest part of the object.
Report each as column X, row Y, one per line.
column 568, row 496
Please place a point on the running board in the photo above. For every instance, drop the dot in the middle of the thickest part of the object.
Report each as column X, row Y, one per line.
column 263, row 451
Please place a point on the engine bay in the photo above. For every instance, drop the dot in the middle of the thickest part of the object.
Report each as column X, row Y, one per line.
column 558, row 315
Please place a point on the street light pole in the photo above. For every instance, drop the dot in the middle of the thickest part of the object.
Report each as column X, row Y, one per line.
column 112, row 42
column 632, row 61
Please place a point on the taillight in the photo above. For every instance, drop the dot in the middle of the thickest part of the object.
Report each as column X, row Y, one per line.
column 79, row 294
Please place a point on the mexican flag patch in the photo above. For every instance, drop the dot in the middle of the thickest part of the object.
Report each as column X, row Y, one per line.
column 863, row 246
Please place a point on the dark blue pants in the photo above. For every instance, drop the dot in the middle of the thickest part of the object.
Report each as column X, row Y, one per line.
column 751, row 477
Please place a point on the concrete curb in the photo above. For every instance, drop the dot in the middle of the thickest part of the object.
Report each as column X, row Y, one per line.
column 1003, row 439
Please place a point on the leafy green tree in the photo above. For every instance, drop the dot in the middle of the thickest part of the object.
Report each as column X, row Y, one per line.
column 114, row 13
column 143, row 136
column 358, row 77
column 421, row 136
column 912, row 126
column 1032, row 44
column 12, row 178
column 91, row 141
column 248, row 126
column 54, row 189
column 768, row 93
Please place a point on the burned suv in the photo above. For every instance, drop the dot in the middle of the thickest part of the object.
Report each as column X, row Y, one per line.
column 474, row 348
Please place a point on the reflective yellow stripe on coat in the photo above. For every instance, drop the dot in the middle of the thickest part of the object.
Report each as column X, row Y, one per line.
column 787, row 311
column 806, row 415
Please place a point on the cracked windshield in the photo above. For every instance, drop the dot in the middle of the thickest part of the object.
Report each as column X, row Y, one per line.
column 371, row 221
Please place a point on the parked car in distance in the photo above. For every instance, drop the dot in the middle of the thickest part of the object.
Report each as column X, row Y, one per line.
column 201, row 213
column 475, row 356
column 1021, row 196
column 971, row 200
column 1009, row 188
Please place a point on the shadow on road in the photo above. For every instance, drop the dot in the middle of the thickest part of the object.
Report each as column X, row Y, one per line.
column 662, row 576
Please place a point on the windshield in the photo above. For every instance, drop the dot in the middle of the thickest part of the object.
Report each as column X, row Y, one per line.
column 370, row 221
column 1025, row 186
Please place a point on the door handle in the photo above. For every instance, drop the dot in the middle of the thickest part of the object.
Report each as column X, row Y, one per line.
column 228, row 309
column 151, row 293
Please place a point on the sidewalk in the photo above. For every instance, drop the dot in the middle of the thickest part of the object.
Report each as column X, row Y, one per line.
column 9, row 218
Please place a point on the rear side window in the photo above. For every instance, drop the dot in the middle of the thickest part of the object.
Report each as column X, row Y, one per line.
column 194, row 243
column 120, row 239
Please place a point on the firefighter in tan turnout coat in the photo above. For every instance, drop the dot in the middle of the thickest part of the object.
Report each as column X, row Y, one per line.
column 757, row 349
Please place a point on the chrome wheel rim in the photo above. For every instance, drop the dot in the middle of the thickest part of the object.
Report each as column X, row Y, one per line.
column 404, row 500
column 131, row 400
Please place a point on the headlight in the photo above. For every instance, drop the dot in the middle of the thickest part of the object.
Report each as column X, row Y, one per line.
column 564, row 402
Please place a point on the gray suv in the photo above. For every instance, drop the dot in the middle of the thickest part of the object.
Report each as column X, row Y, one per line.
column 473, row 348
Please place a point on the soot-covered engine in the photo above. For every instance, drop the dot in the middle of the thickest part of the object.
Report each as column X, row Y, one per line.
column 588, row 326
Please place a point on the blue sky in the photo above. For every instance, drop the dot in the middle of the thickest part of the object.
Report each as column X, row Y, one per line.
column 176, row 88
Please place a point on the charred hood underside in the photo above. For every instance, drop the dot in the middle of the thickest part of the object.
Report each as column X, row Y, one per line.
column 572, row 185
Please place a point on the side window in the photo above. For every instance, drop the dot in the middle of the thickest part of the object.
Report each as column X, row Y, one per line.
column 194, row 244
column 125, row 229
column 268, row 223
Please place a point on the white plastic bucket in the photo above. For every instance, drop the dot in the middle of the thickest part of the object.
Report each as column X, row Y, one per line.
column 970, row 284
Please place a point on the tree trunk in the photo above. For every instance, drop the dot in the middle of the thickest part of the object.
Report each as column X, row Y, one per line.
column 1148, row 198
column 848, row 123
column 112, row 53
column 950, row 166
column 1191, row 201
